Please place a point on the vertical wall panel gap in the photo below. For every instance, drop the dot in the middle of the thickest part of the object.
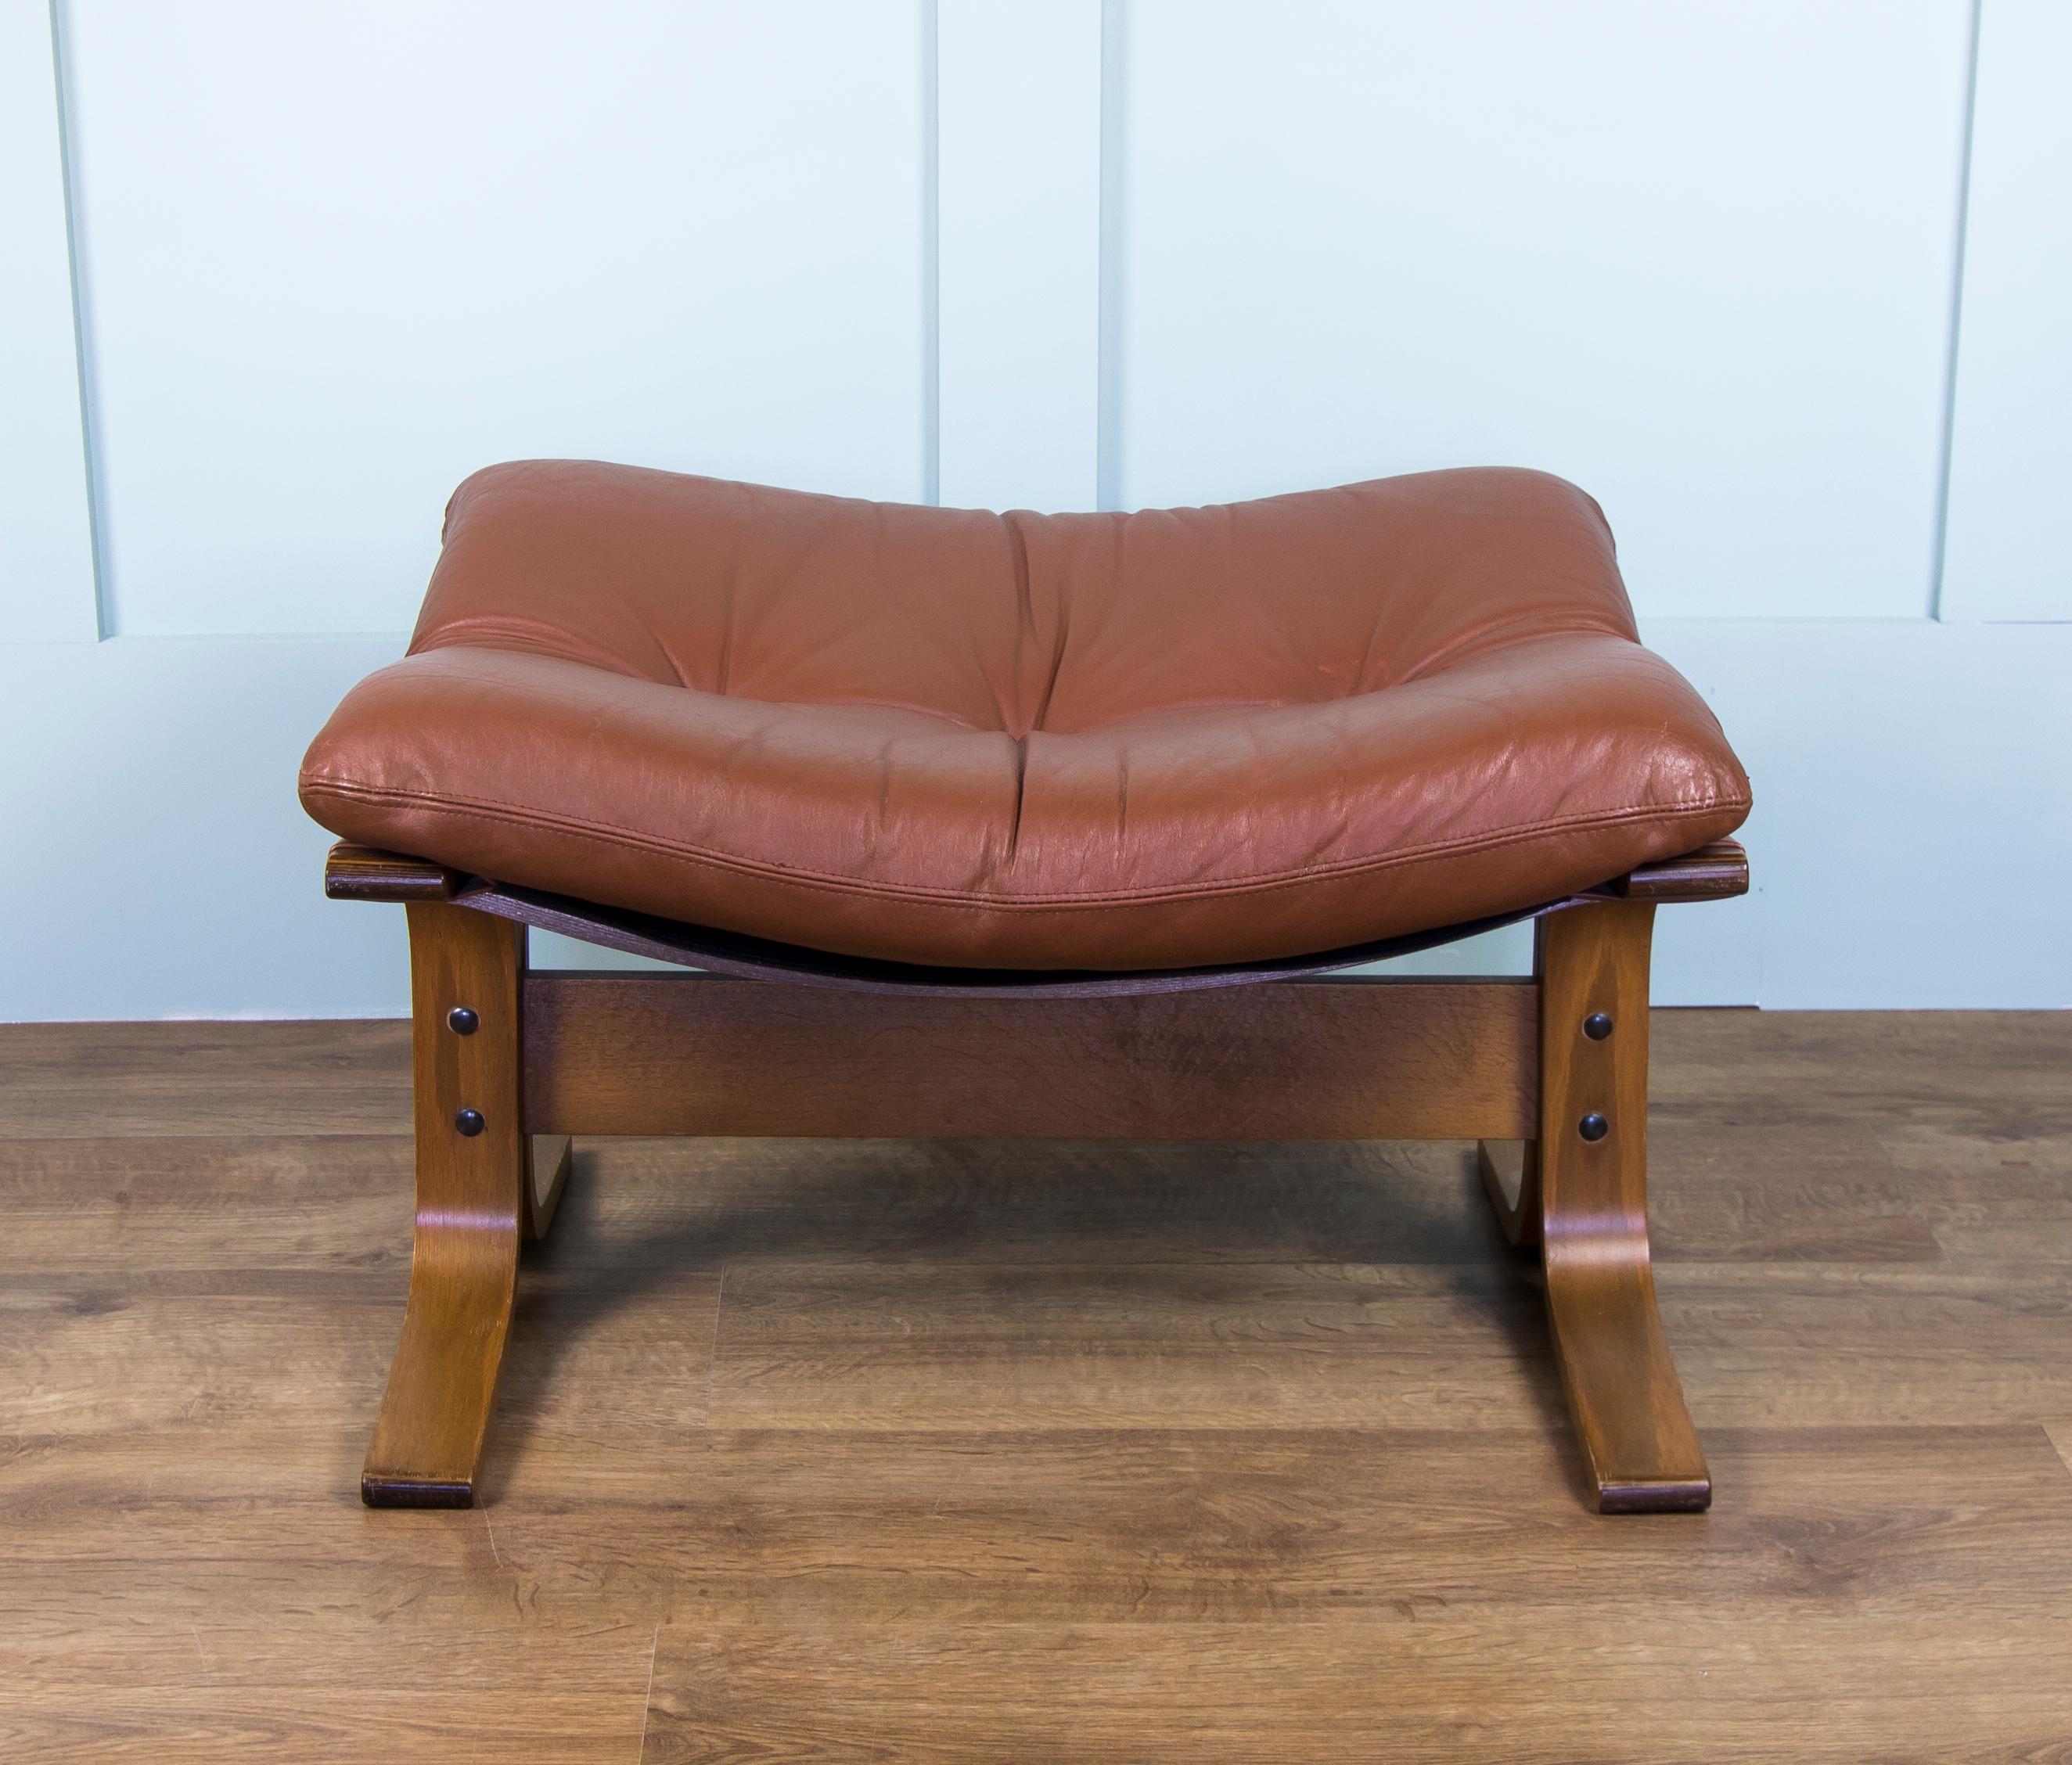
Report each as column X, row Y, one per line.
column 1018, row 86
column 931, row 256
column 1956, row 317
column 1113, row 220
column 89, row 425
column 48, row 567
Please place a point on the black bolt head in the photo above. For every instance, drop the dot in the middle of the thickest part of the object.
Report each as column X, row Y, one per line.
column 1597, row 1026
column 469, row 1122
column 461, row 1021
column 1593, row 1127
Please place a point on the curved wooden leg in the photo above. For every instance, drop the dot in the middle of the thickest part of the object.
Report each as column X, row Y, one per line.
column 1629, row 1411
column 474, row 1195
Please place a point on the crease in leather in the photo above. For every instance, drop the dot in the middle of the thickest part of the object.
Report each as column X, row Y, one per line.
column 1013, row 719
column 508, row 813
column 1494, row 634
column 1025, row 719
column 1020, row 796
column 723, row 670
column 1256, row 647
column 536, row 637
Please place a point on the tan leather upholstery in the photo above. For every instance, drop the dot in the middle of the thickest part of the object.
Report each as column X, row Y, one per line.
column 1167, row 739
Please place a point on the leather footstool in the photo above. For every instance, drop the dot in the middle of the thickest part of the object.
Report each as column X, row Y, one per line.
column 1010, row 807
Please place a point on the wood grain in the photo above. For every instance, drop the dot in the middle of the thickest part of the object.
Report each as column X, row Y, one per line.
column 650, row 1054
column 362, row 873
column 205, row 1078
column 966, row 1450
column 1346, row 1689
column 475, row 1200
column 1713, row 872
column 1629, row 1414
column 359, row 873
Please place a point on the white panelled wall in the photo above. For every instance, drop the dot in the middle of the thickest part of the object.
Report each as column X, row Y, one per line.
column 1784, row 287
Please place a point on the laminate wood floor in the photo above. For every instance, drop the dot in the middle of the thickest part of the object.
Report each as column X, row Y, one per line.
column 1023, row 1452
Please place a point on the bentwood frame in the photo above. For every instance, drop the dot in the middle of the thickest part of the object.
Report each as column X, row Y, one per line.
column 1548, row 1073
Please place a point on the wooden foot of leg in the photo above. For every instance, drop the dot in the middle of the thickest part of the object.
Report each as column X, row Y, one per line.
column 548, row 1157
column 1511, row 1173
column 474, row 1196
column 1636, row 1435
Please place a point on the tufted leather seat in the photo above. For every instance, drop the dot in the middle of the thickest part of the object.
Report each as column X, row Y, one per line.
column 1169, row 739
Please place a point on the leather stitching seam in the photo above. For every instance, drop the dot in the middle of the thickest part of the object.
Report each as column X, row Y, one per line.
column 488, row 809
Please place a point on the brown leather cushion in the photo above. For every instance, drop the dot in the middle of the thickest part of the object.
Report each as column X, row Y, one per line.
column 1177, row 737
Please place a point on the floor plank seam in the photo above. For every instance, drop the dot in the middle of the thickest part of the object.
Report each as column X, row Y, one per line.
column 647, row 1697
column 711, row 1354
column 1041, row 1449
